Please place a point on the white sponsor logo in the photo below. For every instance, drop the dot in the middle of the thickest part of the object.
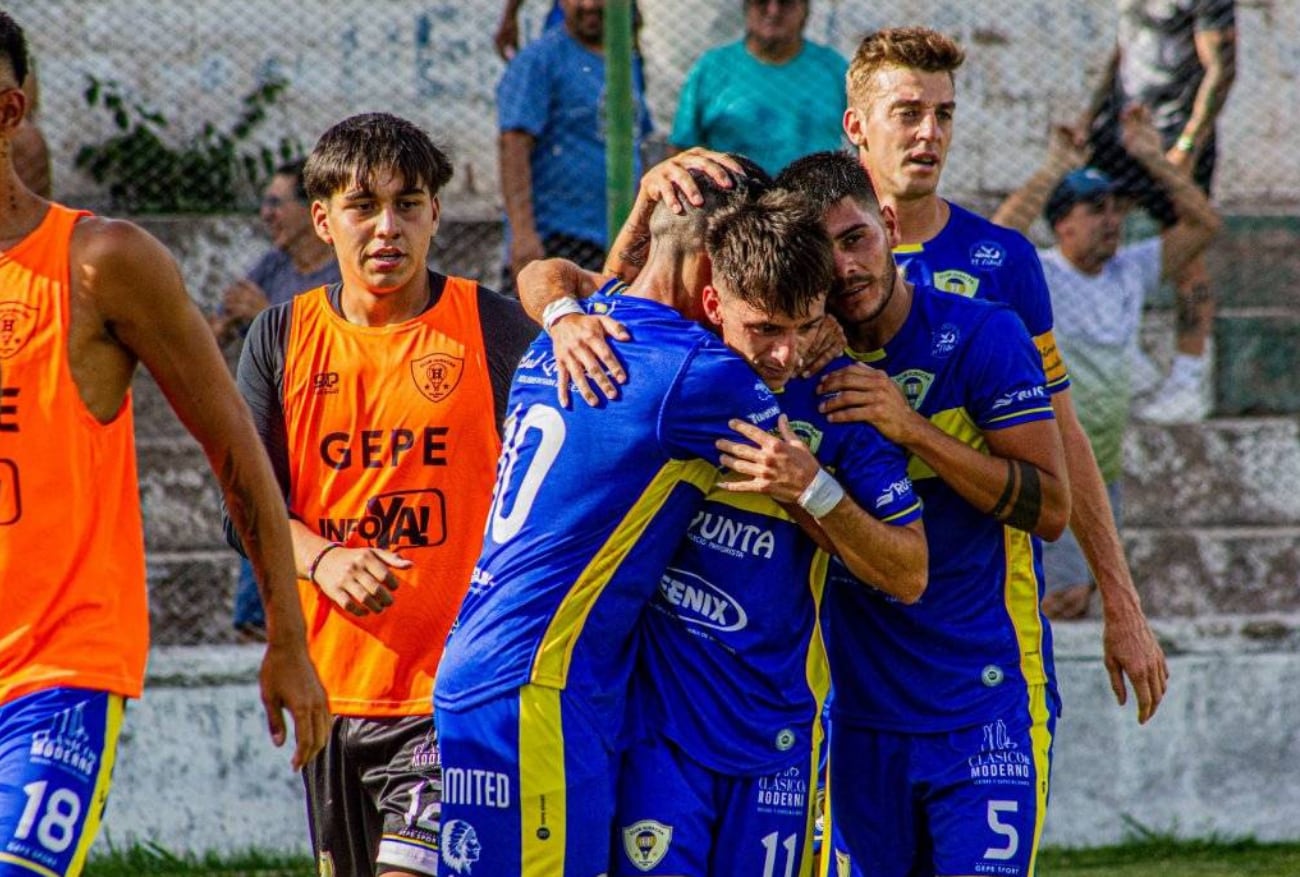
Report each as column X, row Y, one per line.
column 701, row 602
column 901, row 487
column 987, row 254
column 1019, row 396
column 731, row 536
column 475, row 787
column 1000, row 757
column 460, row 846
column 67, row 742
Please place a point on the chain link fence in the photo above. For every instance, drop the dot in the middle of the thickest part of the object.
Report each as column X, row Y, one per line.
column 166, row 110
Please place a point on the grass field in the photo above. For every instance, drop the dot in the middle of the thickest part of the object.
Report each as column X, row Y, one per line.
column 1148, row 858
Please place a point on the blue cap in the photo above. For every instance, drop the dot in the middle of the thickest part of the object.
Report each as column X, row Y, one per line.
column 1084, row 184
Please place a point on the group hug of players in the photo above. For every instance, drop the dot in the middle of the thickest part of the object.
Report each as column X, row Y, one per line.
column 785, row 540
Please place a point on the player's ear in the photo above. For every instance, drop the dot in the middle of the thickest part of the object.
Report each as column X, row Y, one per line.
column 436, row 204
column 890, row 220
column 855, row 127
column 712, row 303
column 320, row 221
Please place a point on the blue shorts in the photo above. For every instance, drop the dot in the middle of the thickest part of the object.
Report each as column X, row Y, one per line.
column 57, row 749
column 527, row 788
column 677, row 817
column 971, row 801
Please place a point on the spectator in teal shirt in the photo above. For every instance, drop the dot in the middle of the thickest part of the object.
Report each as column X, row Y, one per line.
column 773, row 96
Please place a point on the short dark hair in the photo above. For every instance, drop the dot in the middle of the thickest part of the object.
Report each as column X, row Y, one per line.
column 13, row 46
column 361, row 146
column 826, row 178
column 687, row 231
column 772, row 253
column 294, row 168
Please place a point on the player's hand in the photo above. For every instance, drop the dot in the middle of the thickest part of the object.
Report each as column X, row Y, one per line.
column 864, row 394
column 583, row 357
column 506, row 39
column 525, row 247
column 670, row 180
column 824, row 346
column 289, row 681
column 360, row 580
column 244, row 300
column 1129, row 647
column 779, row 466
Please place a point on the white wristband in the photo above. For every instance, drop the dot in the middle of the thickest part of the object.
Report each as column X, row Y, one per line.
column 821, row 495
column 561, row 307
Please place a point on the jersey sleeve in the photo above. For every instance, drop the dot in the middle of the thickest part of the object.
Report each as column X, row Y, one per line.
column 523, row 94
column 714, row 386
column 260, row 377
column 1006, row 374
column 1032, row 300
column 507, row 332
column 874, row 472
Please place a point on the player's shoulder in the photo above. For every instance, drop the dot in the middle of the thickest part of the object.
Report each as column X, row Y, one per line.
column 937, row 308
column 991, row 245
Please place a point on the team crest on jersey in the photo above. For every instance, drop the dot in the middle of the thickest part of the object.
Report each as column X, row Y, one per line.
column 460, row 846
column 646, row 843
column 915, row 385
column 957, row 282
column 17, row 323
column 437, row 375
column 807, row 433
column 987, row 254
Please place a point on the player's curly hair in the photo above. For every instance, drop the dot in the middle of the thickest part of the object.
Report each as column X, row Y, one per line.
column 916, row 48
column 772, row 253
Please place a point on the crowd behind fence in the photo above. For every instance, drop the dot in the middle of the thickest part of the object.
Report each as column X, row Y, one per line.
column 187, row 107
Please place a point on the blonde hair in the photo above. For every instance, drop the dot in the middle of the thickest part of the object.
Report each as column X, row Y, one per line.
column 916, row 48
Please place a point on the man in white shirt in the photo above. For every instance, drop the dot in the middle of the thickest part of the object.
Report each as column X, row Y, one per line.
column 1098, row 288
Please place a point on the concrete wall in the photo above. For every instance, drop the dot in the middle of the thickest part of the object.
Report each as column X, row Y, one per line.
column 197, row 772
column 432, row 60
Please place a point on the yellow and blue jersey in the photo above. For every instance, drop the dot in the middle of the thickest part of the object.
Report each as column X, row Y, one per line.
column 976, row 258
column 732, row 667
column 588, row 508
column 976, row 638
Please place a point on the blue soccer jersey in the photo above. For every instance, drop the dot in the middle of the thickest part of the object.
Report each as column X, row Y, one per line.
column 589, row 507
column 975, row 639
column 976, row 258
column 732, row 667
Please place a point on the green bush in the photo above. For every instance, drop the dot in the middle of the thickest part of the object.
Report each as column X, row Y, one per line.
column 210, row 172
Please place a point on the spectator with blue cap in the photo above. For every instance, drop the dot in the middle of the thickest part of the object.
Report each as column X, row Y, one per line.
column 1098, row 288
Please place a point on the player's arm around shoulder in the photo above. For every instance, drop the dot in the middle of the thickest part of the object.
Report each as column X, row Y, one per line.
column 130, row 281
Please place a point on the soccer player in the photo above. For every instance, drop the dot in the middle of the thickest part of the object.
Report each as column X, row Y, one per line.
column 588, row 508
column 83, row 300
column 901, row 99
column 720, row 776
column 943, row 714
column 379, row 399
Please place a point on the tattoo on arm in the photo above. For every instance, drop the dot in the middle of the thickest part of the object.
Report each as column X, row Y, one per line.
column 636, row 252
column 1021, row 502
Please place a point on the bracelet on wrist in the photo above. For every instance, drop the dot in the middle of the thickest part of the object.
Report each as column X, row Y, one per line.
column 821, row 495
column 315, row 561
column 561, row 307
column 1185, row 143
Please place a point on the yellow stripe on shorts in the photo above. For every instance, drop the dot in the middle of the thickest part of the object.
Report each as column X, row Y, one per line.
column 542, row 790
